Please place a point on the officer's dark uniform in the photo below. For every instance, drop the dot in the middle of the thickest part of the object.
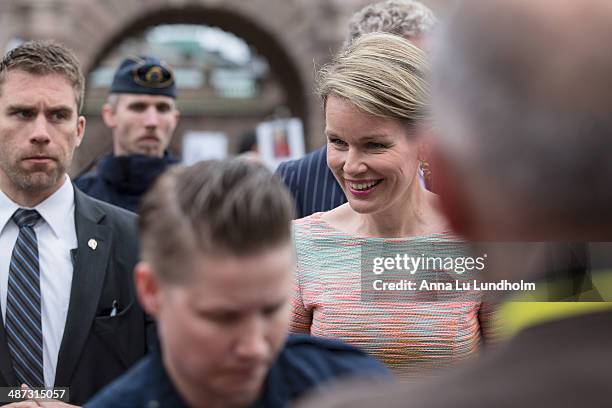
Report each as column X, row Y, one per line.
column 303, row 364
column 122, row 180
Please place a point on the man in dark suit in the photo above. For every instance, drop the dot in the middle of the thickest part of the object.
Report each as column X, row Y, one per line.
column 69, row 312
column 310, row 181
column 522, row 101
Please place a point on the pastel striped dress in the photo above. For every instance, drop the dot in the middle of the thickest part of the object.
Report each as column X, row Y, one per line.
column 414, row 338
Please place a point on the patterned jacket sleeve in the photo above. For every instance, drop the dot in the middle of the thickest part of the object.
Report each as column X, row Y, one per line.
column 301, row 316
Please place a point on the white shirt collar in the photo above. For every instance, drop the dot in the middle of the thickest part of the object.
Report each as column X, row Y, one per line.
column 55, row 209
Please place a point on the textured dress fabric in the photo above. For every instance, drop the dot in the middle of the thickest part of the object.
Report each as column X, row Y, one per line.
column 414, row 336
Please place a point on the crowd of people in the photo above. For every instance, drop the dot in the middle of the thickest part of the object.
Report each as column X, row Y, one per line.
column 236, row 287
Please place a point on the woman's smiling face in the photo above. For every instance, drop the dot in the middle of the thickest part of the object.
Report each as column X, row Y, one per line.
column 374, row 159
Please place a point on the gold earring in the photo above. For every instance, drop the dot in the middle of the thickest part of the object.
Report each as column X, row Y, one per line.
column 425, row 169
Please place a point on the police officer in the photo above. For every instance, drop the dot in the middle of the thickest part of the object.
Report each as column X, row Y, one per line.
column 141, row 112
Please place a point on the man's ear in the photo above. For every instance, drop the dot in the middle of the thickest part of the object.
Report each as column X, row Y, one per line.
column 147, row 288
column 108, row 116
column 81, row 121
column 453, row 194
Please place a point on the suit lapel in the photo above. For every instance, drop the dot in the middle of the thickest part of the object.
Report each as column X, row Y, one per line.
column 6, row 368
column 87, row 281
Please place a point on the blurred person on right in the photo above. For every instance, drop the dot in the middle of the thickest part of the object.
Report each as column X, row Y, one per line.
column 376, row 100
column 522, row 98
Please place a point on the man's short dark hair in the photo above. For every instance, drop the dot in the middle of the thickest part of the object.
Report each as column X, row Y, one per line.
column 45, row 58
column 234, row 206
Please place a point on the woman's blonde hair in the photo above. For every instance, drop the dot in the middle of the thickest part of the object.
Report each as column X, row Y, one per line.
column 381, row 74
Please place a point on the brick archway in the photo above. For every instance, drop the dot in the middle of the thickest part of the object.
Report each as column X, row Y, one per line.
column 285, row 66
column 289, row 52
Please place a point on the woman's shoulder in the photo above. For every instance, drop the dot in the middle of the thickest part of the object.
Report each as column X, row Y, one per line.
column 305, row 225
column 314, row 225
column 316, row 238
column 444, row 235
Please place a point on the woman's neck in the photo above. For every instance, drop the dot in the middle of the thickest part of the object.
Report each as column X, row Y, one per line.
column 417, row 215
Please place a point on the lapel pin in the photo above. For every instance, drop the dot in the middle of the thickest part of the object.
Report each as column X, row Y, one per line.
column 93, row 244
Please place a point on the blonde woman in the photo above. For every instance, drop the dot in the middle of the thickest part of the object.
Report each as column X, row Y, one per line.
column 375, row 96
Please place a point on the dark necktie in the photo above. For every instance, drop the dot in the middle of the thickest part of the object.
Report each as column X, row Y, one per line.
column 23, row 307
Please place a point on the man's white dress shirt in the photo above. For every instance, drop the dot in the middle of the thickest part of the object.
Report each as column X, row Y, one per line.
column 56, row 235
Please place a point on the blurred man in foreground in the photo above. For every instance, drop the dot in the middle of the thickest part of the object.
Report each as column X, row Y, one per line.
column 217, row 275
column 522, row 99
